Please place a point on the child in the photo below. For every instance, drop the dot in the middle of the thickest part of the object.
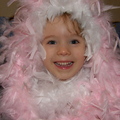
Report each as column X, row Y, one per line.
column 60, row 63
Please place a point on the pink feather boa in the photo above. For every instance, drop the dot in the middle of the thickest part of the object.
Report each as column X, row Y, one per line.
column 32, row 93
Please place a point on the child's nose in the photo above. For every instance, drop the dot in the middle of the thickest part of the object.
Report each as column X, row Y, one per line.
column 63, row 50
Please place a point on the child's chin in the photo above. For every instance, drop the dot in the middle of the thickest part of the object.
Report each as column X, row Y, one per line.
column 64, row 78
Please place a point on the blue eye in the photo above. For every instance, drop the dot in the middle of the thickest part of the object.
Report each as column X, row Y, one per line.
column 74, row 41
column 52, row 42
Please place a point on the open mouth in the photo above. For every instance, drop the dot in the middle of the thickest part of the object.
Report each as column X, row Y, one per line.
column 63, row 64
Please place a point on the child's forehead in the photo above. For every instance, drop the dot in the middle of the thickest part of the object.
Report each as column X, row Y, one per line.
column 59, row 24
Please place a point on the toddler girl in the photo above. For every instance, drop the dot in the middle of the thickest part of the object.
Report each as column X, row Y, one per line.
column 61, row 63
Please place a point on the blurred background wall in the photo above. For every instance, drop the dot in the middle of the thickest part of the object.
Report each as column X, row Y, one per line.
column 9, row 11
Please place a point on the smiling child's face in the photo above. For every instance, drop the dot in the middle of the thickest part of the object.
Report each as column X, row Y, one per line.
column 64, row 49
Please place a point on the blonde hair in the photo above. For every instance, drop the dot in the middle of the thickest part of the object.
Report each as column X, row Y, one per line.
column 68, row 20
column 66, row 17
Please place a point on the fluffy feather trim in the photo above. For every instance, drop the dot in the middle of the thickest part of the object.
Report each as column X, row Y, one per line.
column 32, row 93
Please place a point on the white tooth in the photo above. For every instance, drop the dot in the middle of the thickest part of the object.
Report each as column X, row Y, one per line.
column 63, row 64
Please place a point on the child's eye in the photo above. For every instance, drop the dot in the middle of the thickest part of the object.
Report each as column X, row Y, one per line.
column 74, row 42
column 51, row 42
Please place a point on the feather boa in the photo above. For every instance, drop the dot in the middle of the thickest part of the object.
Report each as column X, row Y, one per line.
column 32, row 93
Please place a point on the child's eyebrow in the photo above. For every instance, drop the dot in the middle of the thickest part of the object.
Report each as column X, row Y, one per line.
column 76, row 35
column 50, row 36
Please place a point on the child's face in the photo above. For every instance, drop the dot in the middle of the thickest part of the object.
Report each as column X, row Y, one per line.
column 64, row 49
